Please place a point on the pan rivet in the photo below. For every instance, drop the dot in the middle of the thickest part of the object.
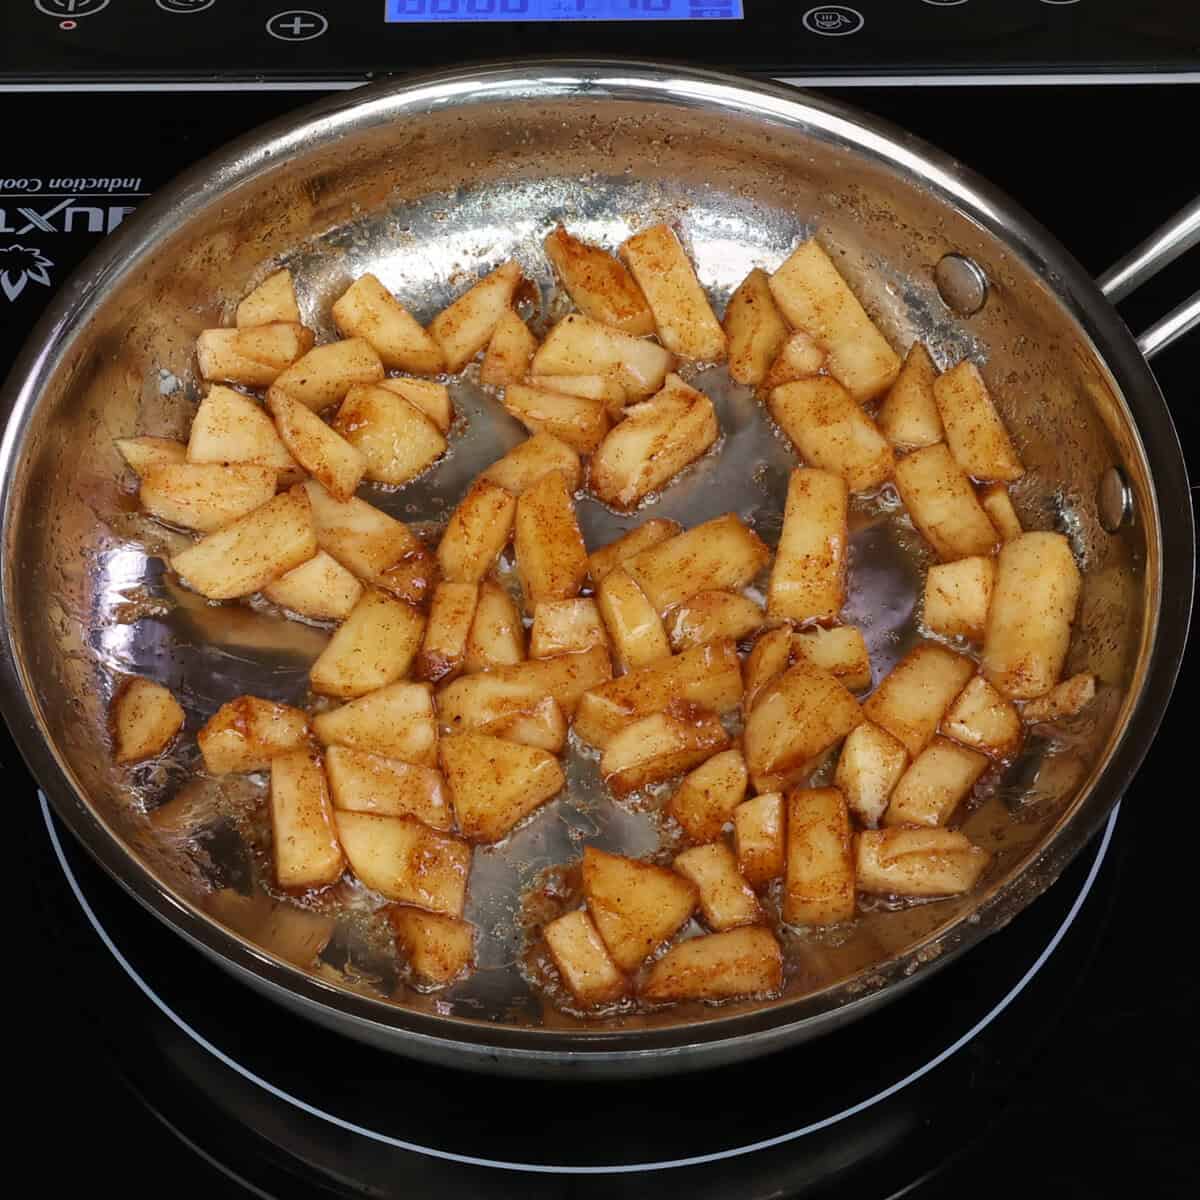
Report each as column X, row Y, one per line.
column 1114, row 498
column 961, row 284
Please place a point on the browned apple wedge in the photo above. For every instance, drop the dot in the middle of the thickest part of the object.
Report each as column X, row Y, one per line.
column 551, row 557
column 726, row 899
column 909, row 416
column 754, row 329
column 819, row 882
column 494, row 783
column 247, row 733
column 444, row 646
column 439, row 949
column 304, row 843
column 144, row 454
column 661, row 745
column 714, row 614
column 984, row 719
column 508, row 353
column 519, row 710
column 406, row 861
column 373, row 647
column 321, row 589
column 841, row 651
column 525, row 464
column 1067, row 699
column 917, row 862
column 331, row 460
column 497, row 636
column 479, row 528
column 648, row 533
column 914, row 696
column 583, row 961
column 637, row 632
column 326, row 373
column 599, row 284
column 362, row 782
column 433, row 399
column 808, row 578
column 974, row 431
column 578, row 421
column 957, row 597
column 145, row 719
column 395, row 438
column 998, row 505
column 943, row 505
column 566, row 627
column 394, row 722
column 870, row 766
column 636, row 905
column 799, row 358
column 466, row 326
column 706, row 799
column 231, row 428
column 367, row 310
column 758, row 835
column 363, row 539
column 577, row 345
column 938, row 781
column 253, row 357
column 205, row 496
column 718, row 966
column 273, row 300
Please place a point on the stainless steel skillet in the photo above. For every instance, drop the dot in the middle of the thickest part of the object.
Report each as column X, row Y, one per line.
column 426, row 182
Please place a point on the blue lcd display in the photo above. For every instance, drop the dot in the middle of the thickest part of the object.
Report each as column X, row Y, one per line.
column 424, row 11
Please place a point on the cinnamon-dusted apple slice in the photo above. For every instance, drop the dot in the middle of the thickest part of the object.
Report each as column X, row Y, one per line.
column 636, row 905
column 975, row 433
column 661, row 745
column 396, row 440
column 642, row 537
column 245, row 734
column 819, row 881
column 367, row 310
column 759, row 837
column 754, row 329
column 494, row 784
column 869, row 767
column 706, row 799
column 917, row 862
column 916, row 693
column 273, row 300
column 508, row 352
column 304, row 843
column 713, row 614
column 145, row 719
column 577, row 345
column 232, row 428
column 326, row 373
column 373, row 647
column 362, row 782
column 526, row 463
column 205, row 496
column 583, row 961
column 332, row 461
column 718, row 966
column 497, row 636
column 726, row 899
column 144, row 454
column 479, row 528
column 463, row 328
column 395, row 722
column 599, row 284
column 548, row 545
column 566, row 627
column 444, row 646
column 909, row 417
column 321, row 589
column 439, row 949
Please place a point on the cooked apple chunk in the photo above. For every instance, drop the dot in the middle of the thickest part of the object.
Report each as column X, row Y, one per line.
column 654, row 442
column 983, row 719
column 636, row 905
column 917, row 862
column 1033, row 608
column 145, row 454
column 726, row 899
column 577, row 345
column 706, row 799
column 974, row 431
column 577, row 420
column 439, row 949
column 565, row 627
column 406, row 861
column 637, row 632
column 494, row 783
column 808, row 578
column 583, row 961
column 660, row 746
column 326, row 373
column 769, row 657
column 868, row 769
column 413, row 578
column 247, row 733
column 566, row 677
column 754, row 330
column 520, row 710
column 321, row 589
column 685, row 321
column 943, row 505
column 607, row 389
column 708, row 676
column 714, row 614
column 273, row 300
column 145, row 719
column 373, row 647
column 718, row 966
column 1067, row 699
column 841, row 651
column 396, row 440
column 252, row 551
column 508, row 353
column 831, row 431
column 304, row 843
column 205, row 496
column 599, row 284
column 819, row 879
column 957, row 597
column 648, row 533
column 466, row 326
column 231, row 428
column 362, row 782
column 478, row 529
column 938, row 781
column 363, row 539
column 798, row 717
column 367, row 310
column 551, row 557
column 525, row 464
column 799, row 358
column 444, row 646
column 721, row 554
column 995, row 501
column 909, row 417
column 394, row 722
column 758, row 835
column 813, row 296
column 916, row 693
column 332, row 461
column 254, row 357
column 497, row 636
column 433, row 399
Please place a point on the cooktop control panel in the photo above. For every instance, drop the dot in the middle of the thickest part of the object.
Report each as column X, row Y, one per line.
column 82, row 42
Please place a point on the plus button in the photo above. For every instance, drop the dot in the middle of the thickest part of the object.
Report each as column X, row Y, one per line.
column 297, row 25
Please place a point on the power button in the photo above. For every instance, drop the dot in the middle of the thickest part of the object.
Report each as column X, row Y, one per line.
column 70, row 8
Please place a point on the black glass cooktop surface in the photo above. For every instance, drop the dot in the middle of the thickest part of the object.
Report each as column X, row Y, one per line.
column 1056, row 1059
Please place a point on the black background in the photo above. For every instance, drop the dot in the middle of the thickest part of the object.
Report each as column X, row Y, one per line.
column 1101, row 1098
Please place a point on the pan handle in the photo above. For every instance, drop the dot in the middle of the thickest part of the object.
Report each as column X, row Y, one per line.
column 1143, row 262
